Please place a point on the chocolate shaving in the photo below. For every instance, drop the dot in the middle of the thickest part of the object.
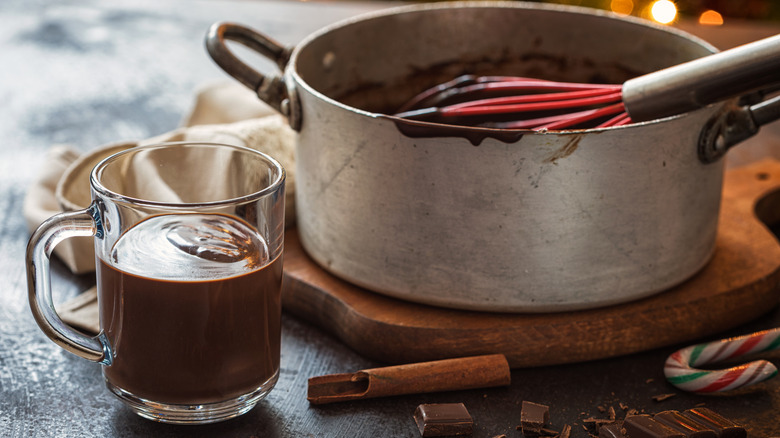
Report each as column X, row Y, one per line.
column 662, row 397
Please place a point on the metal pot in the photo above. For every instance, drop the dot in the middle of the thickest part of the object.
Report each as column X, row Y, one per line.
column 481, row 219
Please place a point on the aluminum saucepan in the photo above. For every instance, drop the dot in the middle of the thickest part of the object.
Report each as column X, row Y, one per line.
column 489, row 219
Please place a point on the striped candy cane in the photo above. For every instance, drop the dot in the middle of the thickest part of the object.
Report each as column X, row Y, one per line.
column 681, row 367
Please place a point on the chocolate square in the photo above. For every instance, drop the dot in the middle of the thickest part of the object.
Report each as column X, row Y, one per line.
column 443, row 419
column 723, row 427
column 533, row 417
column 684, row 425
column 643, row 426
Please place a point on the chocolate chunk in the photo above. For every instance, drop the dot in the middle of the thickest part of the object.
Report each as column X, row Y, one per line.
column 683, row 424
column 443, row 419
column 723, row 427
column 642, row 426
column 612, row 430
column 533, row 417
column 596, row 423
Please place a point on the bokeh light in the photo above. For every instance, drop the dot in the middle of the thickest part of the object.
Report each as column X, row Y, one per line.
column 622, row 7
column 681, row 11
column 710, row 17
column 663, row 11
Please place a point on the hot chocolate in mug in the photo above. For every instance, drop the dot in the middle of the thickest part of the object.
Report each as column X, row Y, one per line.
column 188, row 241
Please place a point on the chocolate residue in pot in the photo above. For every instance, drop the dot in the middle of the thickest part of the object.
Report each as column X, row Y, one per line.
column 560, row 62
column 567, row 149
column 386, row 97
column 416, row 129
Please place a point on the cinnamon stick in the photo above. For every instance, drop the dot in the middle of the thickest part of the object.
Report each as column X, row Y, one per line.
column 436, row 376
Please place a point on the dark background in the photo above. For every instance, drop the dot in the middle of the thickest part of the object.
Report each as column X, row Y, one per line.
column 90, row 72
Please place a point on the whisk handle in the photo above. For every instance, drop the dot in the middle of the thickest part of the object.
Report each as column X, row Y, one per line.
column 698, row 83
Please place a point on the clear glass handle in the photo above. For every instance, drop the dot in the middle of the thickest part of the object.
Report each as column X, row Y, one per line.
column 54, row 230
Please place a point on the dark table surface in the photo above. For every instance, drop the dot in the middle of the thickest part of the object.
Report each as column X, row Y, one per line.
column 89, row 72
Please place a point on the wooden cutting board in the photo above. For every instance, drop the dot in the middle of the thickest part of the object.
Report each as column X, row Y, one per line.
column 739, row 284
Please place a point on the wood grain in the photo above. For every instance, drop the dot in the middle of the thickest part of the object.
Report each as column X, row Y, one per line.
column 736, row 286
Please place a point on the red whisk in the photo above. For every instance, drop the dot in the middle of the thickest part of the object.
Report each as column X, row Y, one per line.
column 508, row 102
column 517, row 96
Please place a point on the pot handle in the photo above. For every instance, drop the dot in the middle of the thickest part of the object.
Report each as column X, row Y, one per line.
column 270, row 89
column 703, row 81
column 735, row 125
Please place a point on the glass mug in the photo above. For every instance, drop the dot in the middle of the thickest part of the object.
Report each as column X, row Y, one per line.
column 188, row 243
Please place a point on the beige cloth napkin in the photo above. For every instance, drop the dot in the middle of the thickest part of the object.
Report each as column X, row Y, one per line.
column 223, row 112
